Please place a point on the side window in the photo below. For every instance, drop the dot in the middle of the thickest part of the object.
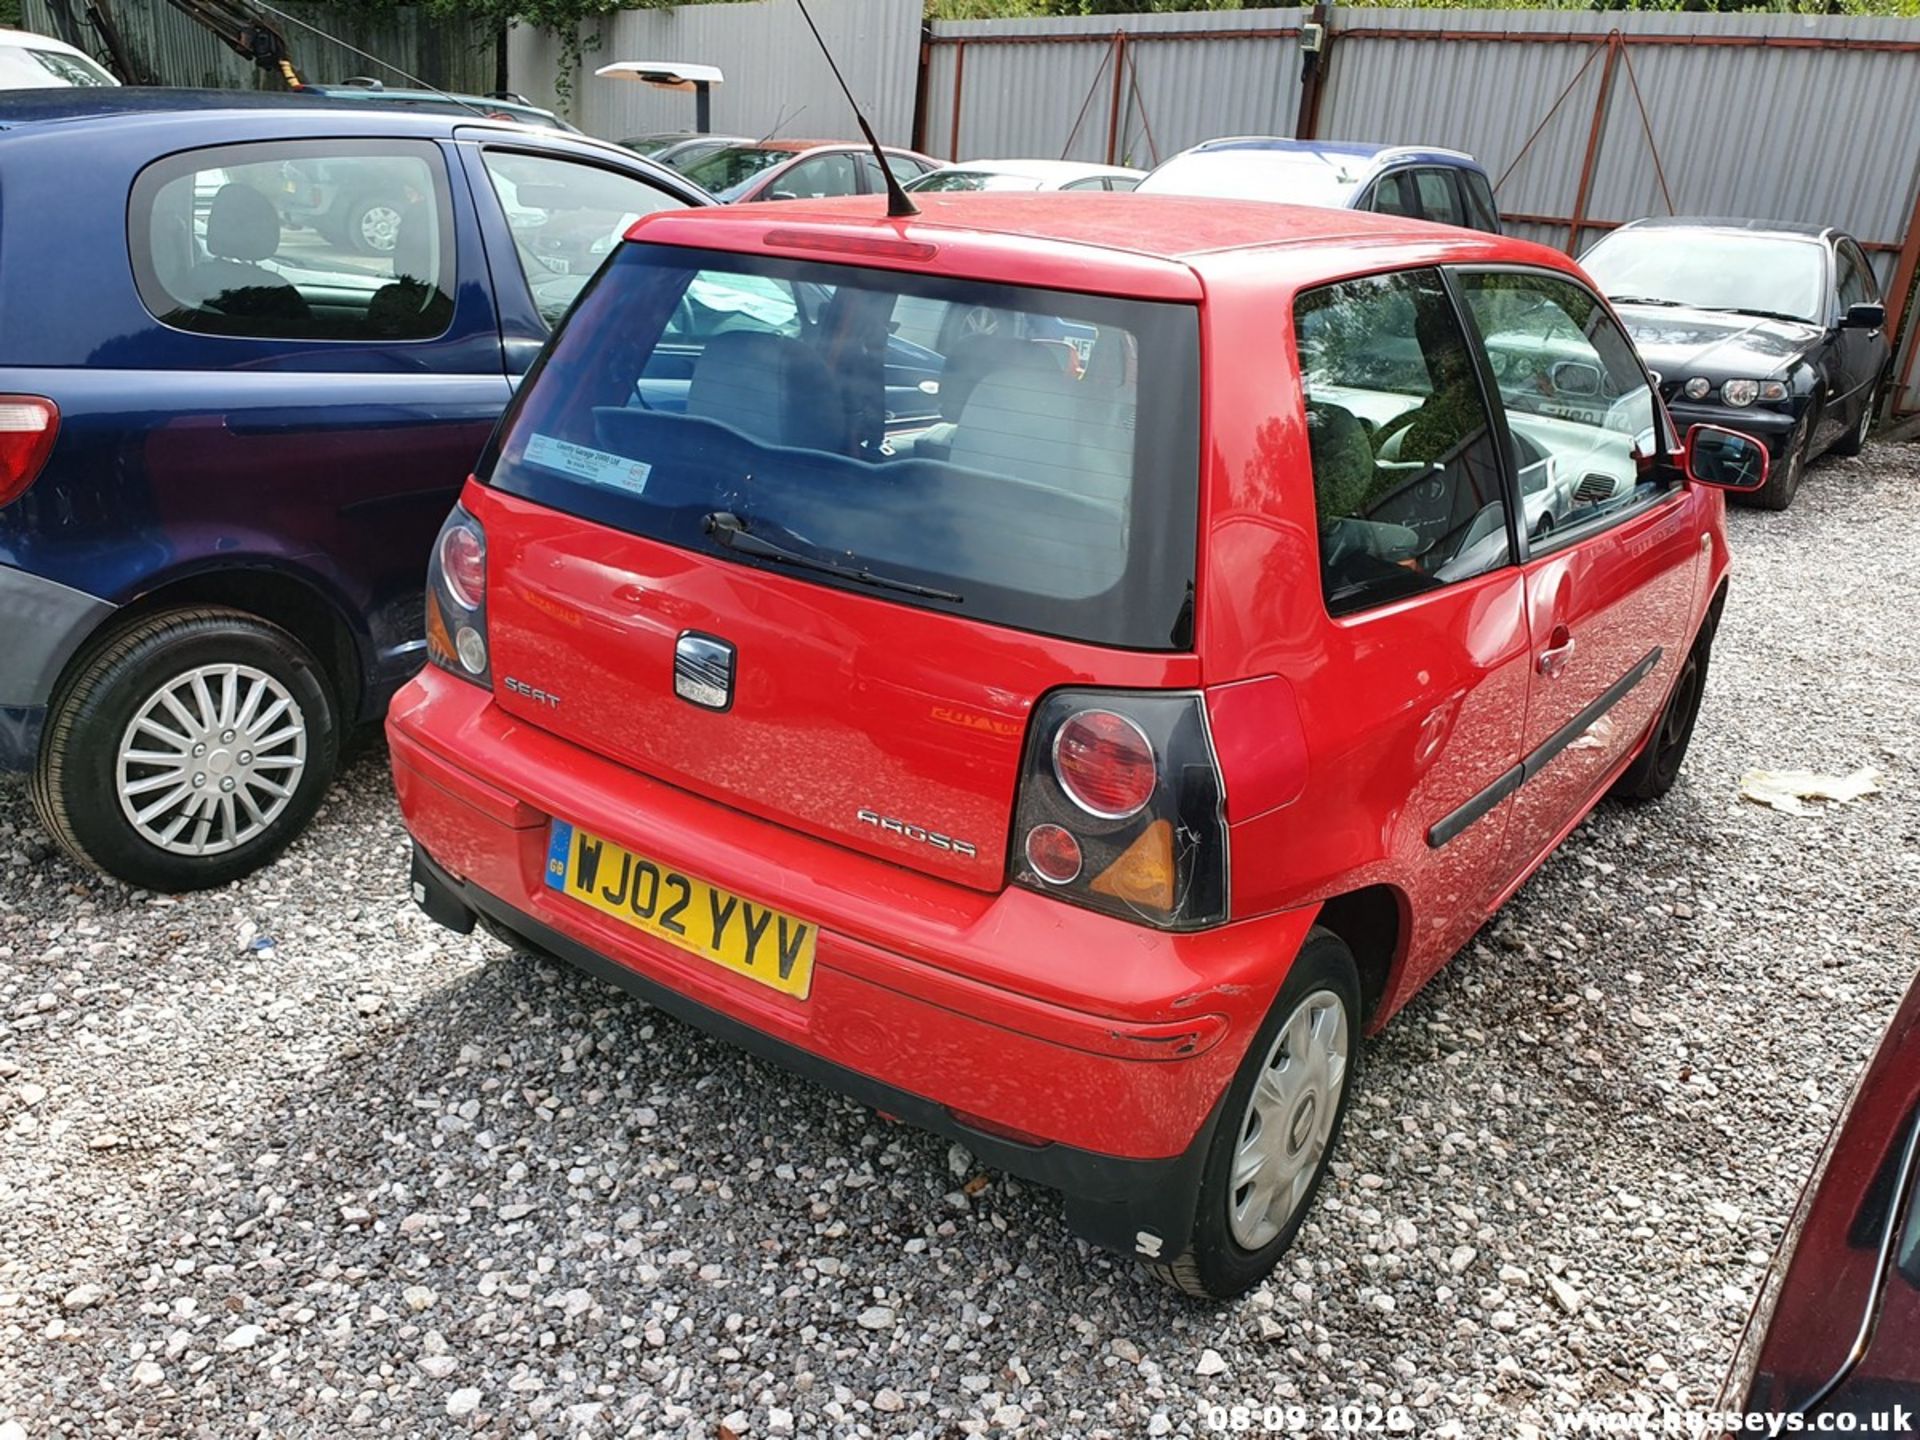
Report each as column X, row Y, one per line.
column 1439, row 201
column 565, row 216
column 904, row 169
column 297, row 239
column 1480, row 207
column 816, row 178
column 1406, row 476
column 1578, row 406
column 1393, row 195
column 1096, row 182
column 1857, row 285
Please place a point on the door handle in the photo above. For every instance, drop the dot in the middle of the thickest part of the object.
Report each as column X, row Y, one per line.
column 1553, row 659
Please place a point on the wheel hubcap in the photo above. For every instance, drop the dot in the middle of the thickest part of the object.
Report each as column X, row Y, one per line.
column 1288, row 1121
column 211, row 759
column 380, row 227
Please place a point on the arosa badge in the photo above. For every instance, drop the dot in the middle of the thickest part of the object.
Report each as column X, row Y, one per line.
column 703, row 670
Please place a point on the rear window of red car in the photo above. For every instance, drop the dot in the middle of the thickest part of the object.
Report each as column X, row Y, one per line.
column 1024, row 457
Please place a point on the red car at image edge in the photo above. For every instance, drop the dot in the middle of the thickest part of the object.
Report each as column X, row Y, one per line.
column 1060, row 669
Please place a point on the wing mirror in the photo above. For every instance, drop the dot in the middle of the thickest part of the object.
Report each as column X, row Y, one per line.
column 1576, row 378
column 1725, row 459
column 1864, row 317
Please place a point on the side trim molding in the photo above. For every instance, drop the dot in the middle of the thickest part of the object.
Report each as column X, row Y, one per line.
column 1451, row 825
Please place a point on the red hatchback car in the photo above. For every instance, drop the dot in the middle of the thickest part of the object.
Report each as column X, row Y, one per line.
column 1074, row 752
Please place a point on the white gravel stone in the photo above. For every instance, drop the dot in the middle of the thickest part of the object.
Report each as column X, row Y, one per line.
column 503, row 1129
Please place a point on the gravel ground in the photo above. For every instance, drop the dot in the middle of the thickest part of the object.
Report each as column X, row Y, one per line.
column 287, row 1159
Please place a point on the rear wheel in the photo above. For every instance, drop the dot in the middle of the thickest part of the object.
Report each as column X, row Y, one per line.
column 1783, row 479
column 373, row 224
column 188, row 750
column 1278, row 1127
column 1855, row 440
column 1652, row 774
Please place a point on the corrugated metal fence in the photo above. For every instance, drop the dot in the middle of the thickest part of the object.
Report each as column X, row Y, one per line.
column 1586, row 119
column 168, row 48
column 775, row 74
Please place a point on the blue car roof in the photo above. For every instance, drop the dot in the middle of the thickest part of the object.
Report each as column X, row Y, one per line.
column 1347, row 149
column 135, row 105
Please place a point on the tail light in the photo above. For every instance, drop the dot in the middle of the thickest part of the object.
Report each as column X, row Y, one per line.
column 457, row 600
column 1121, row 808
column 28, row 427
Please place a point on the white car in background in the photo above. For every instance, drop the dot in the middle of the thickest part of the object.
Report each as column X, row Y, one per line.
column 1027, row 175
column 39, row 62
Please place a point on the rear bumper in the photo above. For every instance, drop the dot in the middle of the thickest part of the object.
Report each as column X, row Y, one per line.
column 1102, row 1046
column 44, row 623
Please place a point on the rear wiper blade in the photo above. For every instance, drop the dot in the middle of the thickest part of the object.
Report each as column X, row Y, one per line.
column 731, row 531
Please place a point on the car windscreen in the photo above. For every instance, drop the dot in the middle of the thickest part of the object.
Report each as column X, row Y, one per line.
column 1023, row 457
column 733, row 165
column 1712, row 270
column 25, row 67
column 1290, row 177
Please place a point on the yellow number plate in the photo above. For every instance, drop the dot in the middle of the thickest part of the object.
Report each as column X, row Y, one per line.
column 748, row 939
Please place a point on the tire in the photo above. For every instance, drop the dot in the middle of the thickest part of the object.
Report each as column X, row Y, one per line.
column 1235, row 1243
column 1855, row 440
column 371, row 225
column 1783, row 480
column 115, row 749
column 1654, row 770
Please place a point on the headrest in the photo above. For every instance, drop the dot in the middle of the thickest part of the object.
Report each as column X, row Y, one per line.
column 1343, row 473
column 981, row 355
column 1049, row 429
column 413, row 245
column 771, row 387
column 242, row 225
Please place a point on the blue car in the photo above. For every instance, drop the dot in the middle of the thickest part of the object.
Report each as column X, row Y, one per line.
column 230, row 429
column 1444, row 186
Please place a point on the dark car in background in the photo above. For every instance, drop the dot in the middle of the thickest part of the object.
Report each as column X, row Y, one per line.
column 228, row 436
column 1777, row 330
column 1835, row 1334
column 1420, row 182
column 681, row 148
column 801, row 170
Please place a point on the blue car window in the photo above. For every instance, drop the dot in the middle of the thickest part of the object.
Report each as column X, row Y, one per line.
column 1439, row 201
column 297, row 239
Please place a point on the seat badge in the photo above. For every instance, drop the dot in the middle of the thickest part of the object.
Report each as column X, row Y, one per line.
column 703, row 670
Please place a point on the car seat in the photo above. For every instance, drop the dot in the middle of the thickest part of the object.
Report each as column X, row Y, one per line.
column 772, row 388
column 243, row 229
column 1049, row 430
column 411, row 304
column 969, row 362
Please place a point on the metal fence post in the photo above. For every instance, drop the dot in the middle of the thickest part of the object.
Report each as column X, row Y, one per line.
column 1119, row 80
column 959, row 75
column 1615, row 41
column 1313, row 76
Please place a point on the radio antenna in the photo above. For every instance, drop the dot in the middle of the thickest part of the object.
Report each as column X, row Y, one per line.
column 899, row 203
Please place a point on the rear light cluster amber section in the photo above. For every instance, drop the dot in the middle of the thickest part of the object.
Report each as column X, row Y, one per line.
column 457, row 600
column 1121, row 808
column 28, row 427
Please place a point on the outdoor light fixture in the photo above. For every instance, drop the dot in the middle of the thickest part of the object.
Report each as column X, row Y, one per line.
column 673, row 75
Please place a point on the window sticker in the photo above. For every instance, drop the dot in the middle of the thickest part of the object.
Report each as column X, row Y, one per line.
column 585, row 463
